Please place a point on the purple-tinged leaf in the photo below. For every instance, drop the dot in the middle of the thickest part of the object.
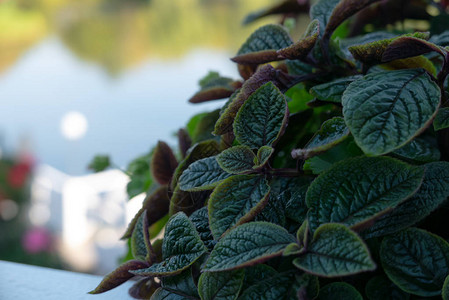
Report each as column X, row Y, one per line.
column 143, row 289
column 407, row 46
column 214, row 87
column 285, row 7
column 184, row 141
column 163, row 163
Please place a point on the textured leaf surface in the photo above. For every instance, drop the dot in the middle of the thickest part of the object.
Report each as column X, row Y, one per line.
column 257, row 273
column 335, row 251
column 143, row 288
column 182, row 284
column 331, row 133
column 118, row 276
column 275, row 287
column 140, row 240
column 187, row 202
column 213, row 86
column 333, row 90
column 381, row 288
column 236, row 201
column 339, row 290
column 445, row 291
column 442, row 119
column 417, row 261
column 220, row 285
column 248, row 244
column 263, row 155
column 163, row 163
column 236, row 160
column 181, row 247
column 409, row 46
column 262, row 118
column 163, row 294
column 433, row 192
column 203, row 174
column 322, row 11
column 200, row 218
column 356, row 190
column 385, row 110
column 301, row 48
column 418, row 150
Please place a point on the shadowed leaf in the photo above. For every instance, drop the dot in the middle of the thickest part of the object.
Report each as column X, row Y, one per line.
column 214, row 87
column 408, row 46
column 182, row 284
column 333, row 90
column 187, row 202
column 220, row 285
column 143, row 289
column 418, row 150
column 275, row 287
column 339, row 290
column 200, row 219
column 163, row 163
column 140, row 240
column 441, row 119
column 381, row 288
column 184, row 142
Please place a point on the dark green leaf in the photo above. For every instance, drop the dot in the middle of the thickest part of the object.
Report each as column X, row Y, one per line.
column 307, row 286
column 335, row 251
column 262, row 118
column 163, row 294
column 404, row 47
column 301, row 48
column 381, row 288
column 333, row 90
column 257, row 273
column 143, row 289
column 445, row 290
column 184, row 142
column 416, row 260
column 205, row 126
column 182, row 284
column 339, row 290
column 292, row 249
column 163, row 163
column 200, row 219
column 187, row 202
column 433, row 192
column 418, row 150
column 331, row 133
column 181, row 247
column 442, row 119
column 118, row 276
column 99, row 163
column 236, row 160
column 248, row 244
column 386, row 110
column 275, row 287
column 140, row 240
column 295, row 194
column 235, row 201
column 220, row 285
column 322, row 10
column 213, row 87
column 263, row 155
column 204, row 174
column 356, row 190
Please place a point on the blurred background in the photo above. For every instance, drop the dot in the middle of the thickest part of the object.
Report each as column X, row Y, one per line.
column 86, row 77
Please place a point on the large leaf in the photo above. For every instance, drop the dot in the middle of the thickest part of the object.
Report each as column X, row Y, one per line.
column 220, row 285
column 339, row 290
column 418, row 150
column 274, row 287
column 204, row 174
column 385, row 110
column 262, row 118
column 181, row 247
column 248, row 244
column 163, row 163
column 381, row 288
column 416, row 260
column 335, row 251
column 200, row 218
column 356, row 190
column 235, row 201
column 118, row 276
column 236, row 160
column 333, row 90
column 331, row 133
column 442, row 119
column 433, row 192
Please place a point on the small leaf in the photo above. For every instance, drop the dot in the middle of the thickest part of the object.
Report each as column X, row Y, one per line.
column 307, row 286
column 275, row 287
column 339, row 290
column 163, row 163
column 356, row 190
column 386, row 110
column 213, row 87
column 262, row 118
column 248, row 244
column 416, row 260
column 235, row 201
column 445, row 290
column 181, row 247
column 187, row 202
column 99, row 163
column 335, row 251
column 263, row 155
column 220, row 285
column 204, row 174
column 442, row 119
column 140, row 240
column 381, row 288
column 418, row 150
column 331, row 133
column 292, row 249
column 301, row 48
column 200, row 219
column 433, row 192
column 118, row 276
column 322, row 11
column 143, row 289
column 333, row 90
column 236, row 160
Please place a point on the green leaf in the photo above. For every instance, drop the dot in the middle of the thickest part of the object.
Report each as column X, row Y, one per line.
column 99, row 163
column 143, row 288
column 356, row 190
column 333, row 90
column 205, row 126
column 235, row 201
column 307, row 286
column 339, row 290
column 200, row 218
column 433, row 192
column 181, row 247
column 236, row 160
column 140, row 239
column 274, row 287
column 248, row 244
column 262, row 118
column 220, row 285
column 204, row 174
column 335, row 251
column 213, row 87
column 322, row 11
column 331, row 133
column 445, row 291
column 163, row 294
column 386, row 110
column 118, row 276
column 302, row 47
column 257, row 273
column 263, row 155
column 442, row 119
column 163, row 163
column 187, row 202
column 381, row 288
column 295, row 197
column 418, row 150
column 416, row 260
column 181, row 284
